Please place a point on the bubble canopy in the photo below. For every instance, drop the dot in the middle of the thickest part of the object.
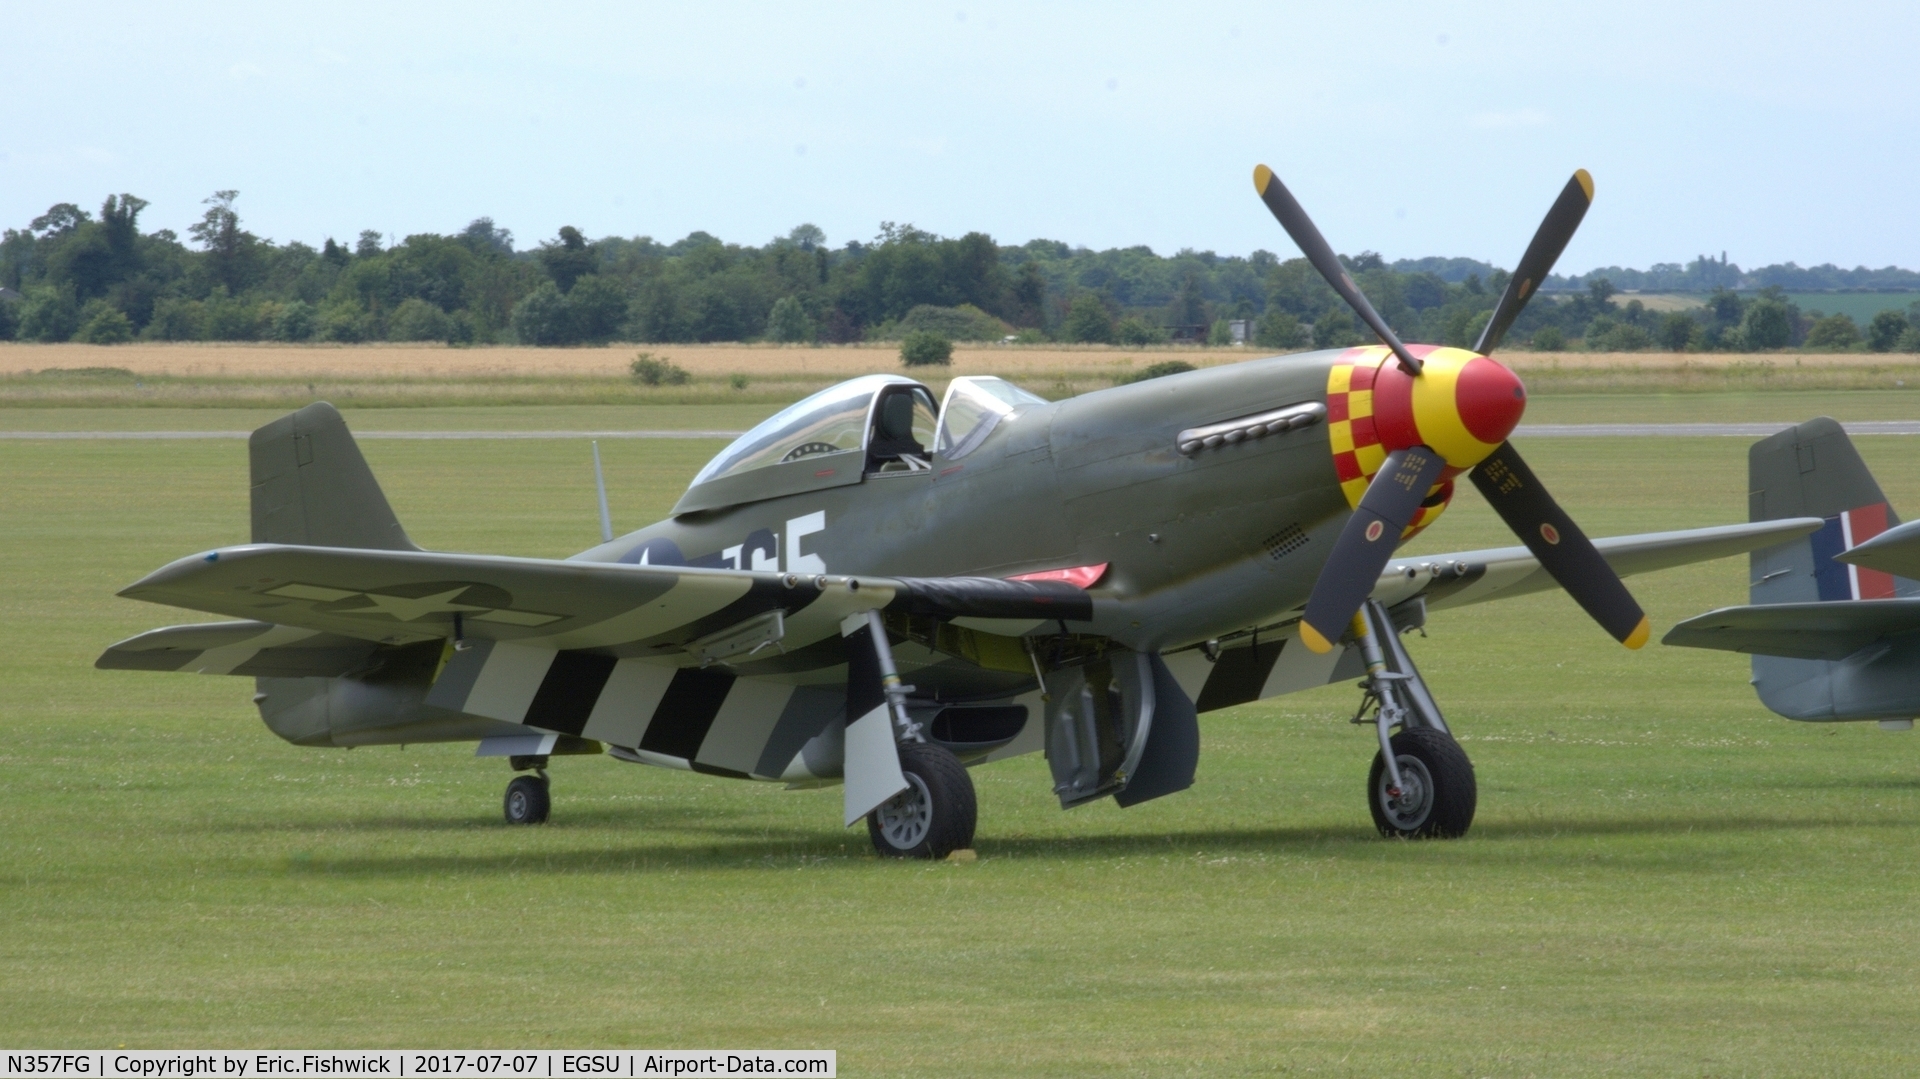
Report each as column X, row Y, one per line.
column 830, row 422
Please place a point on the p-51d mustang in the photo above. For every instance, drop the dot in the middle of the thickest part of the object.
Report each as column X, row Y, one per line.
column 871, row 590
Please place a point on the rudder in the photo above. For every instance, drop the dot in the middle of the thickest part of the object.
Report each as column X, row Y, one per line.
column 311, row 486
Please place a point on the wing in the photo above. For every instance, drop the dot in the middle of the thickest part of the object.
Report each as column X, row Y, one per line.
column 1459, row 579
column 259, row 649
column 402, row 597
column 1251, row 667
column 1830, row 630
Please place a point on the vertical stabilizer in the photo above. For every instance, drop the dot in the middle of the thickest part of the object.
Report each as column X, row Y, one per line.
column 311, row 486
column 1813, row 470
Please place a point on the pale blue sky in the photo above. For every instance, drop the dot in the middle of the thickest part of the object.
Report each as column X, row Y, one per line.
column 1774, row 131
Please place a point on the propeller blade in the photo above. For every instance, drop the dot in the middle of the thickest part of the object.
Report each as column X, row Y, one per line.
column 1367, row 542
column 1551, row 238
column 1558, row 543
column 1299, row 226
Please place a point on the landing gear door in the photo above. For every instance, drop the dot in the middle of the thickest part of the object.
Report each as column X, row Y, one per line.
column 1098, row 721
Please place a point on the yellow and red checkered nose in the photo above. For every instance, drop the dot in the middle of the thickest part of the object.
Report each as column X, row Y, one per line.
column 1462, row 405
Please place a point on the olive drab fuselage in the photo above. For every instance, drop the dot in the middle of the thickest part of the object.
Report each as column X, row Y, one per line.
column 1196, row 545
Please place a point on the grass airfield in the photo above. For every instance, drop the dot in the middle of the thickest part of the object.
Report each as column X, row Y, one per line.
column 1663, row 877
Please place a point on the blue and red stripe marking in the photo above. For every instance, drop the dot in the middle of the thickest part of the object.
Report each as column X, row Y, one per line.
column 1838, row 580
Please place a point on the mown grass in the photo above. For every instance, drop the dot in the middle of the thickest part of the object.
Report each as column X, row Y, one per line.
column 1663, row 879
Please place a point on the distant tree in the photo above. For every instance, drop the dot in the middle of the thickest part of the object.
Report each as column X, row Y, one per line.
column 1726, row 307
column 1607, row 335
column 60, row 218
column 296, row 321
column 1768, row 324
column 922, row 348
column 417, row 320
column 1335, row 329
column 1088, row 321
column 1677, row 331
column 788, row 320
column 651, row 370
column 49, row 314
column 1548, row 339
column 1219, row 333
column 542, row 318
column 176, row 318
column 1423, row 290
column 1134, row 330
column 807, row 237
column 101, row 323
column 334, row 254
column 1189, row 307
column 1278, row 329
column 229, row 248
column 96, row 256
column 1028, row 296
column 482, row 237
column 598, row 309
column 1883, row 333
column 1835, row 333
column 568, row 259
column 1601, row 291
column 370, row 245
column 1159, row 370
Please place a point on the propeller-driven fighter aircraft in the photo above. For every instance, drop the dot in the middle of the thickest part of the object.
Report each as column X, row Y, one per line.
column 871, row 590
column 1832, row 622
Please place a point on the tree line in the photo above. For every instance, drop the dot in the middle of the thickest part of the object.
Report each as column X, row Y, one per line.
column 74, row 275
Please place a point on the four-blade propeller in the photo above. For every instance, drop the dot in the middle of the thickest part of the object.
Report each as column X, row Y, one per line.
column 1410, row 471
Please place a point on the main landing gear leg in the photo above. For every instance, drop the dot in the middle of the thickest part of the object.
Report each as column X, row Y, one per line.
column 527, row 800
column 1421, row 784
column 936, row 814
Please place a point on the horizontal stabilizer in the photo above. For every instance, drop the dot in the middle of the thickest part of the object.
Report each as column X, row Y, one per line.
column 259, row 649
column 1895, row 551
column 1829, row 630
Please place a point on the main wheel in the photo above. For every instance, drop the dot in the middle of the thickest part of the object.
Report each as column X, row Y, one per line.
column 527, row 800
column 935, row 815
column 1437, row 790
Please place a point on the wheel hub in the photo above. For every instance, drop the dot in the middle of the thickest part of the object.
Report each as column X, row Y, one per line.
column 1408, row 809
column 907, row 817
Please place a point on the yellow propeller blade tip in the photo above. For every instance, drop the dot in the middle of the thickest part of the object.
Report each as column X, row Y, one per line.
column 1586, row 182
column 1635, row 639
column 1316, row 643
column 1262, row 176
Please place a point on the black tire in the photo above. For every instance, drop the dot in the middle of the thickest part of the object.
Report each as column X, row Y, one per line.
column 527, row 801
column 1440, row 793
column 935, row 815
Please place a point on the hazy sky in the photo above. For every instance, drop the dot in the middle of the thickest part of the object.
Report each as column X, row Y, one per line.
column 1775, row 132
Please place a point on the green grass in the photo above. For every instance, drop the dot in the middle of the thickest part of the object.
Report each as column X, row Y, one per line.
column 1663, row 879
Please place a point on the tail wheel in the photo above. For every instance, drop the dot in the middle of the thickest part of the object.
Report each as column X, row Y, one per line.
column 1437, row 790
column 527, row 801
column 935, row 815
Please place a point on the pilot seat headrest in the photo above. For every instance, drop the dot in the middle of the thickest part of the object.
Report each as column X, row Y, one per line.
column 896, row 417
